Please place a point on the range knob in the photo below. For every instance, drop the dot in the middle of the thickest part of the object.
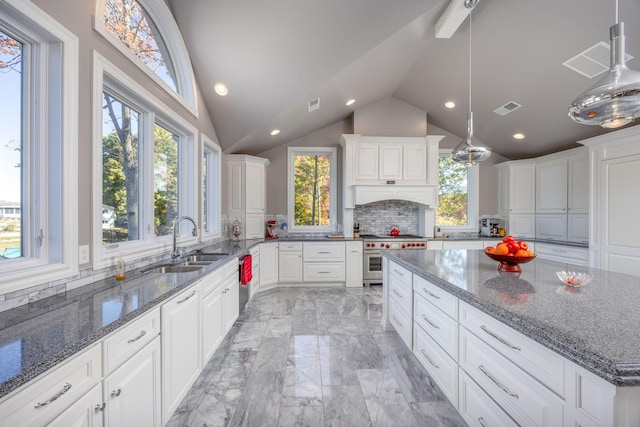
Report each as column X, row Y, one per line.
column 388, row 246
column 423, row 244
column 404, row 246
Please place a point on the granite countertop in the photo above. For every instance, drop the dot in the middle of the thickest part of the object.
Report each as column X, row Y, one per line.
column 39, row 335
column 496, row 238
column 595, row 326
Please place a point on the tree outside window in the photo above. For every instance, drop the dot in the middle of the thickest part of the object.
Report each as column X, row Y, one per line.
column 453, row 193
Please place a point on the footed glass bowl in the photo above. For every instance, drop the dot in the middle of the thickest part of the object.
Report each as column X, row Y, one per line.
column 510, row 264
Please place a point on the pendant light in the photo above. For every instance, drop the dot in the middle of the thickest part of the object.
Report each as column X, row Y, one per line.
column 470, row 151
column 614, row 100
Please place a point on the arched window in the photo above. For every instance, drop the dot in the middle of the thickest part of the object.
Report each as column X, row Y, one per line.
column 145, row 31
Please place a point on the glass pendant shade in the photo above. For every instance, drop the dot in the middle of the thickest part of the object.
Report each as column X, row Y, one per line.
column 470, row 151
column 614, row 100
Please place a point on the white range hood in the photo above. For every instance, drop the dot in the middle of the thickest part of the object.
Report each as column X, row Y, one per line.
column 391, row 168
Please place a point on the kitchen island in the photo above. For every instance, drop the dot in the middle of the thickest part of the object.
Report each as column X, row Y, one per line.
column 592, row 331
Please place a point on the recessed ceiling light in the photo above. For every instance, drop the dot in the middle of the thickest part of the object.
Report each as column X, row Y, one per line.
column 221, row 89
column 518, row 136
column 350, row 102
column 450, row 104
column 275, row 132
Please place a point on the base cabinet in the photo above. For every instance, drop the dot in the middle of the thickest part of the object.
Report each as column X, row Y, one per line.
column 290, row 262
column 132, row 392
column 268, row 264
column 181, row 352
column 477, row 408
column 353, row 264
column 85, row 412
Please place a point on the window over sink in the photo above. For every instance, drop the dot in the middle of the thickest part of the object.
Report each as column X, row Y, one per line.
column 457, row 195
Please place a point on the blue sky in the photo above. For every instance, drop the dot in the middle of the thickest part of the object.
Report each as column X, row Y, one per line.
column 10, row 119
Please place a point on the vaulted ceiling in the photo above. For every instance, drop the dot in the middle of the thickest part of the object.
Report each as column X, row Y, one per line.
column 275, row 56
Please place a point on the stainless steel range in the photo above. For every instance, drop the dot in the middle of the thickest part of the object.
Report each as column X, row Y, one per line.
column 373, row 244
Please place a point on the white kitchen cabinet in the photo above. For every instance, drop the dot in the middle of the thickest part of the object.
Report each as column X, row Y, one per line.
column 230, row 301
column 578, row 184
column 519, row 183
column 181, row 347
column 85, row 412
column 440, row 366
column 551, row 227
column 247, row 193
column 254, row 285
column 477, row 408
column 49, row 396
column 268, row 264
column 578, row 228
column 353, row 264
column 522, row 226
column 390, row 162
column 365, row 162
column 323, row 262
column 414, row 162
column 563, row 253
column 212, row 328
column 551, row 186
column 462, row 244
column 132, row 392
column 614, row 231
column 290, row 262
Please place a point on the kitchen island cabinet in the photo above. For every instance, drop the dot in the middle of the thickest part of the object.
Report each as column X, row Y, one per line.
column 544, row 354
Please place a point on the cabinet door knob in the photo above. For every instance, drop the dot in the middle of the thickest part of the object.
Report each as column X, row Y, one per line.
column 116, row 393
column 100, row 407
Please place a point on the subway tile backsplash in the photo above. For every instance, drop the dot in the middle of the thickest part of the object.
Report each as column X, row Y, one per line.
column 378, row 217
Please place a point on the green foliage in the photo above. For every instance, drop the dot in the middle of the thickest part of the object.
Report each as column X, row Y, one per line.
column 165, row 196
column 312, row 190
column 452, row 193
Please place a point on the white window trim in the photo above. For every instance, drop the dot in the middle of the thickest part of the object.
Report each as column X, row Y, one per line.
column 291, row 153
column 214, row 177
column 59, row 255
column 473, row 188
column 157, row 112
column 163, row 19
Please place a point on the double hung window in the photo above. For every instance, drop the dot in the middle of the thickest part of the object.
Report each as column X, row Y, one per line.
column 457, row 195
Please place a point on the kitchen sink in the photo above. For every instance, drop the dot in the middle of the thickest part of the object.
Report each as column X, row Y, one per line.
column 196, row 263
column 205, row 257
column 171, row 268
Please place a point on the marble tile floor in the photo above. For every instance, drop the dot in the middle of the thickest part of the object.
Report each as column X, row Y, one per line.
column 314, row 357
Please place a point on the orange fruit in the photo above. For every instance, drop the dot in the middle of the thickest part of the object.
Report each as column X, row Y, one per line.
column 522, row 253
column 489, row 249
column 529, row 253
column 501, row 250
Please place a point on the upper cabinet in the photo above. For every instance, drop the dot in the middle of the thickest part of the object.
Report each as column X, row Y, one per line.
column 562, row 185
column 516, row 186
column 387, row 160
column 247, row 193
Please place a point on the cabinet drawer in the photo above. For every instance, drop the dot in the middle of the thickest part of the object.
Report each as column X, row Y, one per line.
column 526, row 400
column 543, row 364
column 290, row 246
column 323, row 272
column 436, row 296
column 401, row 294
column 563, row 253
column 477, row 408
column 401, row 275
column 323, row 251
column 211, row 281
column 47, row 397
column 401, row 321
column 128, row 340
column 551, row 226
column 463, row 244
column 442, row 328
column 230, row 269
column 442, row 368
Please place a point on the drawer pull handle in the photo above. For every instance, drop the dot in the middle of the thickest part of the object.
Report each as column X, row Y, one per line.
column 499, row 338
column 324, row 252
column 100, row 407
column 65, row 388
column 429, row 293
column 116, row 393
column 140, row 335
column 398, row 272
column 481, row 421
column 398, row 322
column 184, row 300
column 429, row 359
column 498, row 383
column 426, row 319
column 396, row 292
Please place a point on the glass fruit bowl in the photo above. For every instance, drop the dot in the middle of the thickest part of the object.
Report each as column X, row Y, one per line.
column 573, row 279
column 510, row 263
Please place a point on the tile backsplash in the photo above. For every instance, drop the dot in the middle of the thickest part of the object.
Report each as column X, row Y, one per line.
column 378, row 217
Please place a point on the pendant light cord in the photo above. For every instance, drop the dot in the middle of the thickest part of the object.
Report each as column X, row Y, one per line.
column 470, row 13
column 617, row 20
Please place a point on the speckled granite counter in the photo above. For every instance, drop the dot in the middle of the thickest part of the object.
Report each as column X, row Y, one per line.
column 37, row 336
column 596, row 326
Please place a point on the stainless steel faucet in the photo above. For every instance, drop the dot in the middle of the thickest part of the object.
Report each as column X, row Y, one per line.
column 175, row 253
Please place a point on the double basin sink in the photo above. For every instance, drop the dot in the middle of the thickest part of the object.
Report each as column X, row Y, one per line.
column 188, row 264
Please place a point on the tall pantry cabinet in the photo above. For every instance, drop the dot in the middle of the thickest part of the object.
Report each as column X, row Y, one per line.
column 247, row 193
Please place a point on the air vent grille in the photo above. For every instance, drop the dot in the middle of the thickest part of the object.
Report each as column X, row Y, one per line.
column 507, row 108
column 593, row 61
column 314, row 104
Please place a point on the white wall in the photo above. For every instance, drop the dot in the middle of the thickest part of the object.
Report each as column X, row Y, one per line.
column 390, row 117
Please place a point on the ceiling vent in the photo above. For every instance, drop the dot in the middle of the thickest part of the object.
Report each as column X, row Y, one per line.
column 314, row 104
column 593, row 61
column 507, row 108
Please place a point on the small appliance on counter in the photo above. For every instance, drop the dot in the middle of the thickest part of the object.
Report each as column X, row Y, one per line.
column 272, row 229
column 490, row 226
